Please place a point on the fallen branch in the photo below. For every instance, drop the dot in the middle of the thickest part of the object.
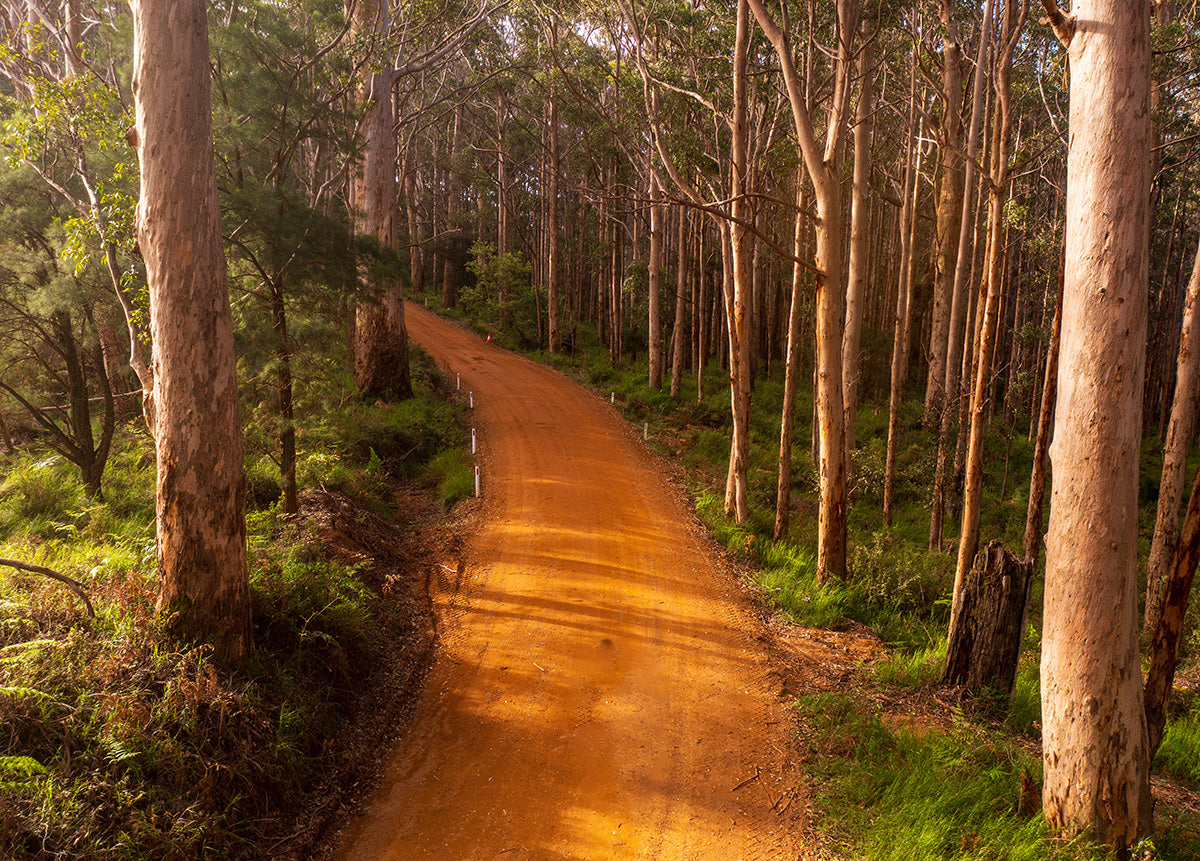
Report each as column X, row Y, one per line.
column 73, row 585
column 747, row 780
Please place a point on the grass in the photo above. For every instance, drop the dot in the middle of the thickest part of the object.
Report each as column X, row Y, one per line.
column 117, row 742
column 921, row 791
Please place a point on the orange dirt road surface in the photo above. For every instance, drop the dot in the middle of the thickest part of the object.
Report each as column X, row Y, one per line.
column 601, row 691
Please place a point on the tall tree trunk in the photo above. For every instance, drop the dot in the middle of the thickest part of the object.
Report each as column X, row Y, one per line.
column 452, row 268
column 968, row 542
column 203, row 586
column 859, row 264
column 655, row 285
column 381, row 341
column 783, row 486
column 949, row 217
column 822, row 165
column 960, row 299
column 741, row 251
column 1095, row 746
column 1045, row 426
column 1164, row 644
column 1180, row 432
column 908, row 224
column 677, row 332
column 554, row 333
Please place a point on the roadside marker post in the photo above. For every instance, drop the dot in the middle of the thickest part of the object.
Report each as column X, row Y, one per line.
column 471, row 397
column 472, row 440
column 476, row 482
column 458, row 382
column 612, row 397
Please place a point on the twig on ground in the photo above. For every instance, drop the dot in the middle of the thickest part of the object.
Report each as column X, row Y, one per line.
column 747, row 780
column 73, row 585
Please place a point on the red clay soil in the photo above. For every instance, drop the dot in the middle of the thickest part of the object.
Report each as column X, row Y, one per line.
column 602, row 689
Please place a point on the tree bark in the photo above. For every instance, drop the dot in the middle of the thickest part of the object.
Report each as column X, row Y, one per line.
column 655, row 286
column 822, row 166
column 1095, row 745
column 968, row 542
column 204, row 586
column 678, row 333
column 900, row 327
column 1164, row 647
column 860, row 252
column 1180, row 432
column 983, row 654
column 553, row 327
column 1045, row 426
column 949, row 218
column 783, row 486
column 960, row 299
column 381, row 342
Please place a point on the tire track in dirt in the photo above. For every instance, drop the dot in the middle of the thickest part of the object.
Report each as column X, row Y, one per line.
column 601, row 686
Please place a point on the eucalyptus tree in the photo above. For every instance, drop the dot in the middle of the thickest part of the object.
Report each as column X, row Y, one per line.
column 204, row 588
column 998, row 189
column 822, row 161
column 1095, row 746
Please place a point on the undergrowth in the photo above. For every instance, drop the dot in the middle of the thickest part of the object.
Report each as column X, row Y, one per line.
column 901, row 792
column 120, row 743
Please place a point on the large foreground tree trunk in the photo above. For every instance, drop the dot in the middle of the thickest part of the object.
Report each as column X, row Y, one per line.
column 203, row 582
column 1095, row 746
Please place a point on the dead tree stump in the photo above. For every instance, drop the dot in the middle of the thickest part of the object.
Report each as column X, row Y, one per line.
column 983, row 652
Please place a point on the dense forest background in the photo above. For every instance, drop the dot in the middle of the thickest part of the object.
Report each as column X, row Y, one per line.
column 818, row 247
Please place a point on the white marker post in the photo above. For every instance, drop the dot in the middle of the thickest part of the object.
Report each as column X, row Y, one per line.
column 458, row 382
column 476, row 482
column 471, row 397
column 645, row 430
column 612, row 397
column 472, row 440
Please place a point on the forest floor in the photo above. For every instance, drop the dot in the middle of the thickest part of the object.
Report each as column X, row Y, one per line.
column 606, row 683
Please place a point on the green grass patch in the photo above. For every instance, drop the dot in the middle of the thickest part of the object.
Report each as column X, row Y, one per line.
column 896, row 793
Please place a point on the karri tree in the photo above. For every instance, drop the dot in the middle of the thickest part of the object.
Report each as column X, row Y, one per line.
column 1093, row 726
column 204, row 586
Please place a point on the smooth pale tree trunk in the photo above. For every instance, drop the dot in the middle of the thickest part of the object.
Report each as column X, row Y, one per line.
column 1180, row 432
column 380, row 338
column 822, row 164
column 949, row 218
column 203, row 585
column 860, row 252
column 783, row 486
column 655, row 285
column 1045, row 426
column 968, row 542
column 452, row 264
column 553, row 327
column 960, row 300
column 681, row 283
column 1095, row 746
column 900, row 323
column 737, row 293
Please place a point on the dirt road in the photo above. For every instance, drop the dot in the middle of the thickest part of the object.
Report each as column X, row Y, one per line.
column 600, row 692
